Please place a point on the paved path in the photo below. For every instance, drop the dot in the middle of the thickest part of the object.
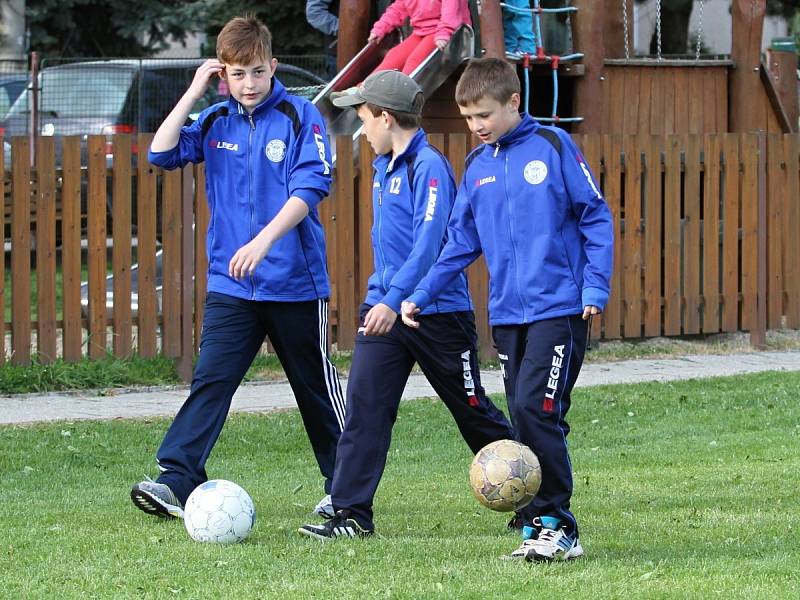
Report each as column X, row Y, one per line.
column 261, row 397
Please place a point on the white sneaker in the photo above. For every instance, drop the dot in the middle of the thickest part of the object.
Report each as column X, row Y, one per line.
column 325, row 508
column 522, row 551
column 552, row 544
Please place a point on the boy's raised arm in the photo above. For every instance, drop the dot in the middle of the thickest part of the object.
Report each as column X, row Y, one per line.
column 168, row 134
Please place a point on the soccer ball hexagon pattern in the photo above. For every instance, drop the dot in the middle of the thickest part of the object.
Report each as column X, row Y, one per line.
column 505, row 475
column 219, row 512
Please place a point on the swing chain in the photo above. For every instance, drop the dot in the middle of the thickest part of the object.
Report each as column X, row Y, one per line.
column 658, row 29
column 625, row 28
column 699, row 32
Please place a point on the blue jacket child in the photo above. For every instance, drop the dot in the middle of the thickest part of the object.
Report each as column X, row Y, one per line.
column 267, row 168
column 529, row 203
column 254, row 162
column 408, row 231
column 413, row 189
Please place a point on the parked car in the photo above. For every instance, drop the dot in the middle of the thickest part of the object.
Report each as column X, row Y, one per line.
column 122, row 95
column 11, row 86
column 112, row 96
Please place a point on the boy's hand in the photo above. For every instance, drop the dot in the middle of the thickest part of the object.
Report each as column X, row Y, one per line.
column 590, row 310
column 248, row 257
column 203, row 75
column 409, row 310
column 379, row 320
column 373, row 39
column 441, row 44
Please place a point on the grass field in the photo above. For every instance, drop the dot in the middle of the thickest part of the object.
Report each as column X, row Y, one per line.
column 684, row 490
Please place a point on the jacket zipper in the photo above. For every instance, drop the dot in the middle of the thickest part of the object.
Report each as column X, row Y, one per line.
column 250, row 196
column 511, row 232
column 380, row 226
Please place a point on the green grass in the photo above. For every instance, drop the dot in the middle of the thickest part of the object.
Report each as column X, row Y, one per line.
column 112, row 373
column 87, row 374
column 683, row 490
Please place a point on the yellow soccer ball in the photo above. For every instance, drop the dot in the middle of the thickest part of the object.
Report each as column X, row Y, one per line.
column 505, row 475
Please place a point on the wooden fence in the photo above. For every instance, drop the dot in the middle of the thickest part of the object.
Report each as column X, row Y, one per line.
column 707, row 239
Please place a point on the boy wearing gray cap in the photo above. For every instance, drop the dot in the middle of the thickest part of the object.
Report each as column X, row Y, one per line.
column 413, row 191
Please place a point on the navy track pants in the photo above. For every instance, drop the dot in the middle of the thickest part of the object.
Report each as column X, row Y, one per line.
column 233, row 332
column 540, row 363
column 444, row 346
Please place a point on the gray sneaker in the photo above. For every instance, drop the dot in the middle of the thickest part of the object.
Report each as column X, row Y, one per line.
column 156, row 499
column 325, row 508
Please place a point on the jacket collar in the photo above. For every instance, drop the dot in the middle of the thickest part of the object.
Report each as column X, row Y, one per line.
column 417, row 142
column 523, row 129
column 276, row 95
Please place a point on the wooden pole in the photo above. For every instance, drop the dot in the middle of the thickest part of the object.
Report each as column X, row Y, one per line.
column 33, row 125
column 353, row 30
column 491, row 23
column 746, row 106
column 589, row 25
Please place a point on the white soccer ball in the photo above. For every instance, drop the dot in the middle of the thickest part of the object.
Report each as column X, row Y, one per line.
column 219, row 512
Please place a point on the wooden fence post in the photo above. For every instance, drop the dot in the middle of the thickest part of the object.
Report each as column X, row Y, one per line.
column 758, row 333
column 21, row 252
column 121, row 252
column 46, row 250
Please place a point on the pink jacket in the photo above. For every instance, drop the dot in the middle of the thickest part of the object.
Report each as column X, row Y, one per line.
column 439, row 17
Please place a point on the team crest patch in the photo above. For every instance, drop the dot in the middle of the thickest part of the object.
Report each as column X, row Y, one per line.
column 535, row 172
column 276, row 150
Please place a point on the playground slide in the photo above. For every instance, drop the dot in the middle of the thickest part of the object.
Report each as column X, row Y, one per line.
column 430, row 74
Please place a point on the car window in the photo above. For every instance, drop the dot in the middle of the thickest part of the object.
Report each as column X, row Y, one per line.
column 299, row 81
column 76, row 92
column 5, row 100
column 9, row 92
column 79, row 92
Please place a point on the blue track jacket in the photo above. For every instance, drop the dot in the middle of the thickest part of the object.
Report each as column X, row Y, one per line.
column 530, row 204
column 254, row 163
column 411, row 202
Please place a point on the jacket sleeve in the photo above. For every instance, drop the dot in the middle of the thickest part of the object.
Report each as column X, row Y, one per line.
column 320, row 17
column 310, row 171
column 391, row 19
column 433, row 195
column 594, row 222
column 462, row 248
column 452, row 18
column 188, row 150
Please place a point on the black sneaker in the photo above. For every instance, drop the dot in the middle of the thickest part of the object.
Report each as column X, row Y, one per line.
column 156, row 499
column 340, row 526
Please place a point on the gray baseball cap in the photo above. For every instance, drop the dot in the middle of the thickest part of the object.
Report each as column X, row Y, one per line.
column 387, row 89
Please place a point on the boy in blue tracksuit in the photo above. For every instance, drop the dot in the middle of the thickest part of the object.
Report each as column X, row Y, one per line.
column 267, row 167
column 413, row 192
column 530, row 204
